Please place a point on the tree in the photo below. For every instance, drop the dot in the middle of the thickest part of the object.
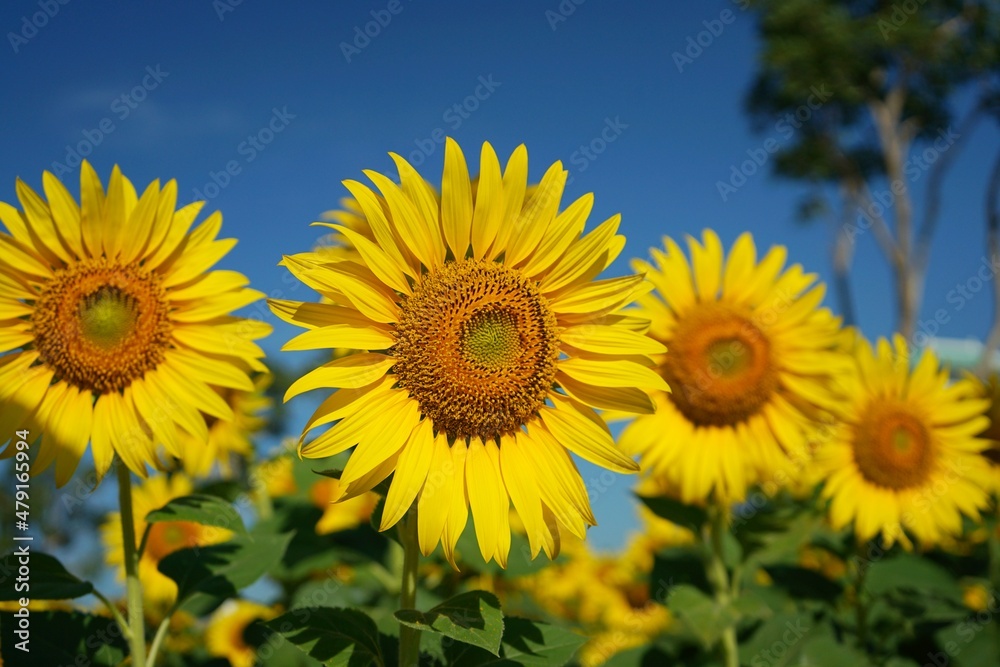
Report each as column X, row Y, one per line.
column 889, row 73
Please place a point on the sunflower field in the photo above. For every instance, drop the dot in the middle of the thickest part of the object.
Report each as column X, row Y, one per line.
column 397, row 446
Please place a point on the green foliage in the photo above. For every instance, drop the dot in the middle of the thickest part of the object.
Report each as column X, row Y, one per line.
column 471, row 618
column 204, row 509
column 61, row 638
column 334, row 637
column 702, row 617
column 525, row 642
column 222, row 570
column 47, row 579
column 691, row 517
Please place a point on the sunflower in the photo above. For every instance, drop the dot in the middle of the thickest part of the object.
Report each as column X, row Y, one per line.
column 227, row 439
column 164, row 537
column 225, row 635
column 605, row 596
column 484, row 346
column 990, row 390
column 904, row 454
column 114, row 331
column 748, row 353
column 343, row 515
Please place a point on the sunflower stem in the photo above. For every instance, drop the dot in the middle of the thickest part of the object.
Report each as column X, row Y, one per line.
column 137, row 641
column 115, row 613
column 718, row 576
column 860, row 603
column 161, row 632
column 409, row 638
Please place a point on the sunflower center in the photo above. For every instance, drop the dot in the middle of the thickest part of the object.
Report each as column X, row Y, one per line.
column 719, row 366
column 107, row 317
column 892, row 447
column 166, row 537
column 490, row 340
column 476, row 346
column 101, row 325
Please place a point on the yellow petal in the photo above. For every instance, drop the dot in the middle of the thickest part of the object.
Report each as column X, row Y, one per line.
column 342, row 336
column 621, row 399
column 383, row 439
column 411, row 472
column 456, row 200
column 598, row 296
column 564, row 229
column 489, row 203
column 381, row 229
column 91, row 209
column 380, row 263
column 351, row 372
column 739, row 266
column 41, row 227
column 409, row 224
column 425, row 199
column 581, row 256
column 349, row 431
column 535, row 217
column 519, row 479
column 435, row 496
column 575, row 431
column 209, row 284
column 619, row 373
column 514, row 186
column 611, row 340
column 77, row 417
column 458, row 503
column 484, row 487
column 707, row 264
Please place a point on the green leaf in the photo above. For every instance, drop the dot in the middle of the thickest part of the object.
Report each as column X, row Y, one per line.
column 47, row 578
column 702, row 616
column 777, row 641
column 688, row 516
column 969, row 643
column 774, row 534
column 334, row 637
column 528, row 643
column 61, row 638
column 675, row 566
column 309, row 553
column 472, row 618
column 907, row 571
column 223, row 569
column 825, row 651
column 803, row 583
column 200, row 508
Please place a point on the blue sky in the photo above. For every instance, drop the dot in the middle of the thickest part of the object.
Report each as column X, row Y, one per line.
column 185, row 90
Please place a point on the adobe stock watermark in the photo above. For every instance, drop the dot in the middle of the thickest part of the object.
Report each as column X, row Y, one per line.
column 223, row 7
column 696, row 44
column 562, row 12
column 901, row 13
column 453, row 116
column 31, row 25
column 364, row 34
column 785, row 127
column 121, row 108
column 966, row 631
column 959, row 297
column 773, row 654
column 913, row 168
column 247, row 151
column 587, row 153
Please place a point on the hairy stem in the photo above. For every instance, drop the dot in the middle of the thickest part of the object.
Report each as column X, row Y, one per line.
column 715, row 570
column 137, row 641
column 409, row 638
